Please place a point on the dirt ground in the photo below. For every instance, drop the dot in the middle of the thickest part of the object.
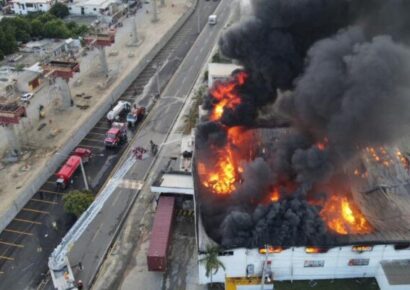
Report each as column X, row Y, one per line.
column 87, row 88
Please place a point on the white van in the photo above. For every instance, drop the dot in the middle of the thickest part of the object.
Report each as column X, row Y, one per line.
column 212, row 19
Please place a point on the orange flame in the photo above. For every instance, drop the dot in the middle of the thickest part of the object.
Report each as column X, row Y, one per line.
column 404, row 161
column 221, row 177
column 270, row 250
column 275, row 195
column 225, row 94
column 322, row 145
column 343, row 217
column 314, row 250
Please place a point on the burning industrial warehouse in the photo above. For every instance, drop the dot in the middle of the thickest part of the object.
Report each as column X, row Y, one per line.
column 299, row 147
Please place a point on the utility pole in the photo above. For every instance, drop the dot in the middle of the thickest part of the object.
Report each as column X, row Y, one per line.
column 154, row 11
column 198, row 21
column 135, row 40
column 82, row 170
column 83, row 173
column 263, row 268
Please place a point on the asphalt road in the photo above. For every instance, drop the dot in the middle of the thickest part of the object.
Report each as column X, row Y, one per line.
column 30, row 238
column 93, row 244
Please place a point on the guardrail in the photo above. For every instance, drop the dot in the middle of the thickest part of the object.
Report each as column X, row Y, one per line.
column 72, row 140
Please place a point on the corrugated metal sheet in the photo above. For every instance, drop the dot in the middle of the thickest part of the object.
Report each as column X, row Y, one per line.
column 161, row 234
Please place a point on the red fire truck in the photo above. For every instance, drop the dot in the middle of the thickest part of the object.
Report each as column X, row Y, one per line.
column 116, row 136
column 66, row 172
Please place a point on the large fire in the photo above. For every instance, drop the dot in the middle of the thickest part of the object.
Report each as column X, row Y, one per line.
column 225, row 96
column 222, row 176
column 343, row 217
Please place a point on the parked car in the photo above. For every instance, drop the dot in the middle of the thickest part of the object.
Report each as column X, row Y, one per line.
column 212, row 19
column 26, row 97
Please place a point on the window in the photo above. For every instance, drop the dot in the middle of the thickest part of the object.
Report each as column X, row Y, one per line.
column 95, row 9
column 225, row 253
column 29, row 5
column 399, row 247
column 362, row 248
column 359, row 262
column 314, row 250
column 270, row 250
column 314, row 263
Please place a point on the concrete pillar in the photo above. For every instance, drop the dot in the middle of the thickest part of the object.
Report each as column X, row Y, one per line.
column 135, row 39
column 12, row 139
column 154, row 11
column 65, row 92
column 103, row 60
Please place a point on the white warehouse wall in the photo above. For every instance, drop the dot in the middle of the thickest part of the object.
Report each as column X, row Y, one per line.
column 384, row 284
column 290, row 264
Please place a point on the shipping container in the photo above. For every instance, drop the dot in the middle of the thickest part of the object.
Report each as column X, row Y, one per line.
column 161, row 234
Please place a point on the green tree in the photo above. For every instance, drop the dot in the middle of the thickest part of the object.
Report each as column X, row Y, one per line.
column 76, row 202
column 56, row 29
column 8, row 43
column 80, row 30
column 59, row 10
column 22, row 28
column 211, row 261
column 46, row 17
column 37, row 28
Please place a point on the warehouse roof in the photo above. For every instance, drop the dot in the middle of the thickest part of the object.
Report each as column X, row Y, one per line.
column 222, row 69
column 175, row 182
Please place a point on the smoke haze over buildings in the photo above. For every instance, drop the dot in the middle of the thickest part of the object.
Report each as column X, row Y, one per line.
column 347, row 65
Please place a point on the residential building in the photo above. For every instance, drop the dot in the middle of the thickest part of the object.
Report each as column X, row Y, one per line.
column 24, row 7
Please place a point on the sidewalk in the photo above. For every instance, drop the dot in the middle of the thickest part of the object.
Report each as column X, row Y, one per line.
column 61, row 125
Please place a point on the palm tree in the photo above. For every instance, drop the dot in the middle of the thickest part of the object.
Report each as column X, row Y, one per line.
column 191, row 118
column 211, row 261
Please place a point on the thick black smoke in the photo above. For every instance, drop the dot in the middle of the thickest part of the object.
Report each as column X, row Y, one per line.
column 291, row 222
column 347, row 64
column 356, row 93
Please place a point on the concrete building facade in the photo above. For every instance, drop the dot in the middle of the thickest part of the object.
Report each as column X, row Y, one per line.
column 93, row 7
column 299, row 264
column 24, row 7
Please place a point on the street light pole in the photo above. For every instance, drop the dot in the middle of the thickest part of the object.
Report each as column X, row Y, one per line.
column 264, row 268
column 198, row 21
column 154, row 11
column 83, row 173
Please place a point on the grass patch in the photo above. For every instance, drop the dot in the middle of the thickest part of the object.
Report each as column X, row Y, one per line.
column 339, row 284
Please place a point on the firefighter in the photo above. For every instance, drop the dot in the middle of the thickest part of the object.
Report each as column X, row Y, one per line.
column 154, row 147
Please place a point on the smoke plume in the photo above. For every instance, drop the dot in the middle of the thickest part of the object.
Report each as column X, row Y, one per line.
column 347, row 66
